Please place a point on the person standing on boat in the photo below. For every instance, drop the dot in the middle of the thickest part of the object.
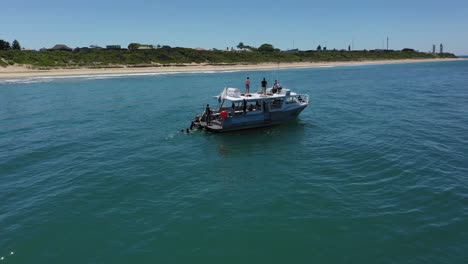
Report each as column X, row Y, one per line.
column 233, row 109
column 208, row 114
column 264, row 85
column 247, row 85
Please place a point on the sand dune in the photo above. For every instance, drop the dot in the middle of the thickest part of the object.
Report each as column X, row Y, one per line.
column 25, row 71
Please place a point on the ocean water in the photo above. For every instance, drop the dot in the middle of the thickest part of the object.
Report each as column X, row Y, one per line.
column 93, row 169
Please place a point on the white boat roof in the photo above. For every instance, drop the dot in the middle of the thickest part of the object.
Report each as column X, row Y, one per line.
column 234, row 95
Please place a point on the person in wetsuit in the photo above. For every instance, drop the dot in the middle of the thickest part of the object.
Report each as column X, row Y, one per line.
column 208, row 114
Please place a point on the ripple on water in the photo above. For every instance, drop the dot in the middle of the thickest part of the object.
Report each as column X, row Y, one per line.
column 98, row 164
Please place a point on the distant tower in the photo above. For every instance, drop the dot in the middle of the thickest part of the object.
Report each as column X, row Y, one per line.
column 387, row 43
column 441, row 48
column 433, row 48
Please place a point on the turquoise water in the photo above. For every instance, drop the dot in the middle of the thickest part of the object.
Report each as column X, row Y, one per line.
column 375, row 170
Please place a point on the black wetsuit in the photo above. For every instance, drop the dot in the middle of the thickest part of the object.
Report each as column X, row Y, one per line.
column 208, row 115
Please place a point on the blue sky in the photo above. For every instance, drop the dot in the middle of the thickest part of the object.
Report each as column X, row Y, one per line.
column 220, row 24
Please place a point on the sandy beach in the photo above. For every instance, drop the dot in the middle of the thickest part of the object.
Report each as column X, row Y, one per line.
column 25, row 71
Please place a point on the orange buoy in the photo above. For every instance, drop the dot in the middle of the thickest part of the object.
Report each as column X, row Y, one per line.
column 224, row 114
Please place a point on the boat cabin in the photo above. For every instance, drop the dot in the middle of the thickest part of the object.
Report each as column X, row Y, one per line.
column 237, row 103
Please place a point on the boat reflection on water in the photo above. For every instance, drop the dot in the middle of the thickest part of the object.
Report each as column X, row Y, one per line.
column 254, row 142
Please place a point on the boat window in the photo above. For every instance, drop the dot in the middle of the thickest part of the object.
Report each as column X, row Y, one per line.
column 276, row 103
column 291, row 100
column 237, row 107
column 228, row 105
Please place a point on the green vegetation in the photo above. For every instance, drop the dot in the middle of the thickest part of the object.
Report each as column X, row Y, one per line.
column 267, row 48
column 3, row 64
column 134, row 46
column 242, row 46
column 167, row 55
column 4, row 45
column 16, row 45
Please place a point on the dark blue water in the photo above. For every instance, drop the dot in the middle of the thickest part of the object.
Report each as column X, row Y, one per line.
column 375, row 170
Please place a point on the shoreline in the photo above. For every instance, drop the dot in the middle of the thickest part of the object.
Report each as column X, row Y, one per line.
column 25, row 72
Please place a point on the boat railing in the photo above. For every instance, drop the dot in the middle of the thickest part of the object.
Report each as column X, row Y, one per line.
column 303, row 98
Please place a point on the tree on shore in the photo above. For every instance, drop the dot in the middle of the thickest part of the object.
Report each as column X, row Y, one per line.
column 133, row 46
column 349, row 47
column 319, row 48
column 16, row 45
column 241, row 45
column 4, row 45
column 266, row 48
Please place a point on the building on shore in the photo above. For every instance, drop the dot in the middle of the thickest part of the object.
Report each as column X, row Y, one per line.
column 95, row 47
column 382, row 50
column 61, row 47
column 113, row 47
column 243, row 49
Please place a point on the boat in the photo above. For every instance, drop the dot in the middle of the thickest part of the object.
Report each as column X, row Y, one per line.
column 237, row 111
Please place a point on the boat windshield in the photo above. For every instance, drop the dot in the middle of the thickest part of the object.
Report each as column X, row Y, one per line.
column 291, row 100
